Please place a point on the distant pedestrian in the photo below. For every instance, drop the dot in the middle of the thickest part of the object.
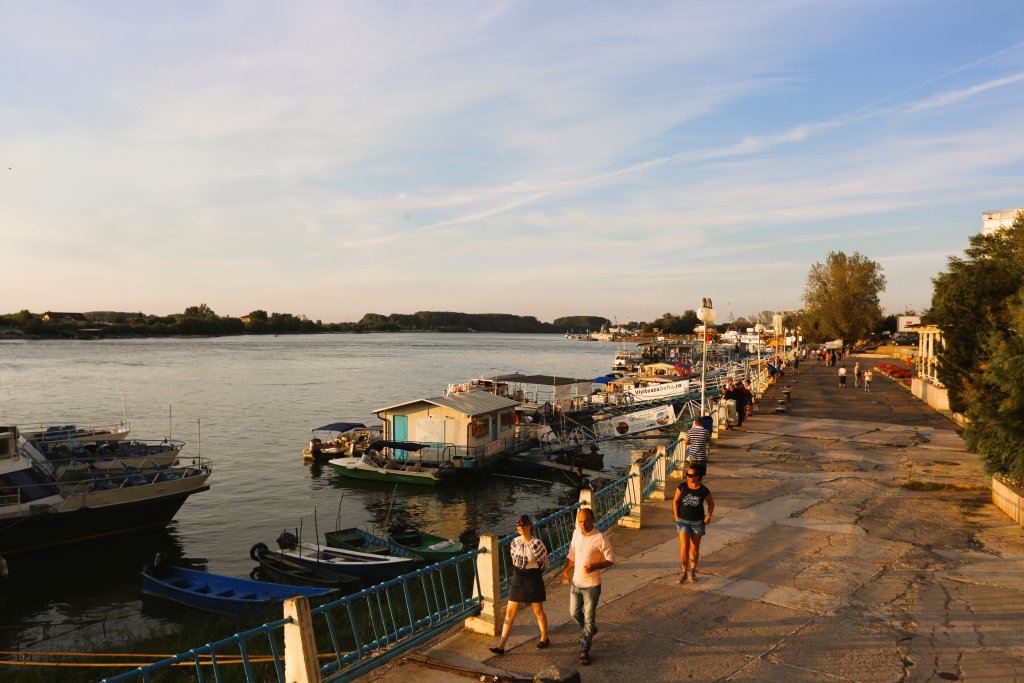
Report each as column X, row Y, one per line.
column 744, row 399
column 856, row 374
column 691, row 521
column 696, row 446
column 589, row 553
column 842, row 376
column 529, row 562
column 868, row 376
column 796, row 365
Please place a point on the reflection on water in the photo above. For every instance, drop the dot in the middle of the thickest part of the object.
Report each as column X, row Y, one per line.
column 254, row 401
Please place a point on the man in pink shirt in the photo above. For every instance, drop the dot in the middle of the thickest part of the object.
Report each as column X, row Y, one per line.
column 589, row 553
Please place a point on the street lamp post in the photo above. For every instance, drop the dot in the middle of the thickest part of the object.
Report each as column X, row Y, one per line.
column 759, row 328
column 706, row 314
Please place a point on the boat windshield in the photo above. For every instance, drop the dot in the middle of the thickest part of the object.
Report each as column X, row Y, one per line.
column 28, row 484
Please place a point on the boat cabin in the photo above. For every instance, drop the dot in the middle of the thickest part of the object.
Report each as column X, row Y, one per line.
column 469, row 428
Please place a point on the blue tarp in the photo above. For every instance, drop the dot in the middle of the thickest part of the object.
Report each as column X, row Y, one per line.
column 340, row 427
column 605, row 379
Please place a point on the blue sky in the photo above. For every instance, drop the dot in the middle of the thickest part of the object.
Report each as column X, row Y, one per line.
column 574, row 158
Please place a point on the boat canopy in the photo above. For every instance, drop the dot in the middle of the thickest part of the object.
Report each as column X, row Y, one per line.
column 340, row 427
column 398, row 445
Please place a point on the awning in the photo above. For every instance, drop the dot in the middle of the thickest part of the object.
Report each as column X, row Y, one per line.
column 340, row 427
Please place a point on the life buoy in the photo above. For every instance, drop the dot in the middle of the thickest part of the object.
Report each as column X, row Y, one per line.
column 475, row 428
column 515, row 418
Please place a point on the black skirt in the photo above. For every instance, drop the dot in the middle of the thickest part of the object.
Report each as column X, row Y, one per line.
column 527, row 585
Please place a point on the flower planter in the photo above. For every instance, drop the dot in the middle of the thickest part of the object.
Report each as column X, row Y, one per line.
column 1009, row 499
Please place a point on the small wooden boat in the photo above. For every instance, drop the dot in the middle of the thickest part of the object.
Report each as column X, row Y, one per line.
column 221, row 594
column 429, row 546
column 365, row 566
column 280, row 569
column 361, row 541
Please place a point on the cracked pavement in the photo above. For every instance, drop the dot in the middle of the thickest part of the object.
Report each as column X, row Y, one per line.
column 854, row 540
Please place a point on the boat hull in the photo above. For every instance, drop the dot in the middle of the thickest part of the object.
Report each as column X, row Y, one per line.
column 357, row 468
column 364, row 566
column 221, row 594
column 428, row 546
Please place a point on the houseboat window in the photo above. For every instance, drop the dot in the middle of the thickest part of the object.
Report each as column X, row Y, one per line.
column 505, row 420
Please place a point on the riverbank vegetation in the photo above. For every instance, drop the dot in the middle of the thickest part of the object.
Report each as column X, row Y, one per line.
column 201, row 320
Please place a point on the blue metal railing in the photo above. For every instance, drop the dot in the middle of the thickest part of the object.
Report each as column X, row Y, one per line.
column 376, row 625
column 206, row 656
column 611, row 503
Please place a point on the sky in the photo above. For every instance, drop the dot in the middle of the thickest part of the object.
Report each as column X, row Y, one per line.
column 625, row 160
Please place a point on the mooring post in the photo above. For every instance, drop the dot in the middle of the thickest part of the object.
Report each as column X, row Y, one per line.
column 488, row 622
column 301, row 662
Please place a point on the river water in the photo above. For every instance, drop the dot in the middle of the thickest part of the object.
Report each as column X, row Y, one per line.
column 248, row 404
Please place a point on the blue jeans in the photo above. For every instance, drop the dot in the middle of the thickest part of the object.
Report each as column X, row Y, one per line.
column 583, row 610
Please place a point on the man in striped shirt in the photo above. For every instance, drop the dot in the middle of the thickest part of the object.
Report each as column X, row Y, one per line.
column 696, row 443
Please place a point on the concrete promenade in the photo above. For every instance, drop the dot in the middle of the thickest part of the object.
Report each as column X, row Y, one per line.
column 853, row 540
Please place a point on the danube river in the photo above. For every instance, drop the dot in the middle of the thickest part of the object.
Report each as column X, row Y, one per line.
column 248, row 404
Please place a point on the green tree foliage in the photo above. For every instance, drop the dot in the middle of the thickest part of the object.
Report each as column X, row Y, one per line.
column 841, row 296
column 978, row 303
column 670, row 323
column 580, row 323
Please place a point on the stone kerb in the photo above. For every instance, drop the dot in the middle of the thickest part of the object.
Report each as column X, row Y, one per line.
column 1009, row 499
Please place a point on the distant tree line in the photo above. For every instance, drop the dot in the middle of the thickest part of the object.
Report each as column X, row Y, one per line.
column 201, row 320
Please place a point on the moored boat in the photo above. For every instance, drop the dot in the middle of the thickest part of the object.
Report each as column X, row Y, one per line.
column 365, row 566
column 374, row 466
column 81, row 434
column 221, row 594
column 361, row 541
column 38, row 511
column 340, row 439
column 275, row 567
column 431, row 547
column 71, row 458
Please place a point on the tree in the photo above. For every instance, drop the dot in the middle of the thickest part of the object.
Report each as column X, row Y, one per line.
column 841, row 295
column 979, row 306
column 200, row 312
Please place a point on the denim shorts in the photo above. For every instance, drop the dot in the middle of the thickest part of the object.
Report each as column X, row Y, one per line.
column 693, row 527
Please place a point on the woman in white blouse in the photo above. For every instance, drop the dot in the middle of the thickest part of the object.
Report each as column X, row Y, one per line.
column 529, row 562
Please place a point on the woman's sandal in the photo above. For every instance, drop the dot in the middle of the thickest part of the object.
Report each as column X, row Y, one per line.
column 541, row 644
column 497, row 650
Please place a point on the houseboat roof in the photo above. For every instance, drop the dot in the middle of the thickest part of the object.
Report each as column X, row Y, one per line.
column 467, row 402
column 544, row 380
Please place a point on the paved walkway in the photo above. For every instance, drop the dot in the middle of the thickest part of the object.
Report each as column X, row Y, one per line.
column 854, row 541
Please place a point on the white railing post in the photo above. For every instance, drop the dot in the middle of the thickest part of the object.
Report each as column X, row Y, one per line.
column 301, row 662
column 488, row 622
column 633, row 497
column 658, row 475
column 679, row 457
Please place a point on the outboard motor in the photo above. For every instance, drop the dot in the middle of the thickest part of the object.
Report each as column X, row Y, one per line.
column 287, row 541
column 315, row 447
column 470, row 539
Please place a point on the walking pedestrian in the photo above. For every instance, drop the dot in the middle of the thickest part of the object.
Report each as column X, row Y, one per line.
column 691, row 521
column 796, row 365
column 868, row 376
column 589, row 553
column 842, row 376
column 529, row 562
column 696, row 446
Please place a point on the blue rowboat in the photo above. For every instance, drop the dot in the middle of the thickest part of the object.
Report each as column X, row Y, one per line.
column 221, row 594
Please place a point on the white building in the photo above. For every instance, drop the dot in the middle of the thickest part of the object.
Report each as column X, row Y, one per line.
column 993, row 221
